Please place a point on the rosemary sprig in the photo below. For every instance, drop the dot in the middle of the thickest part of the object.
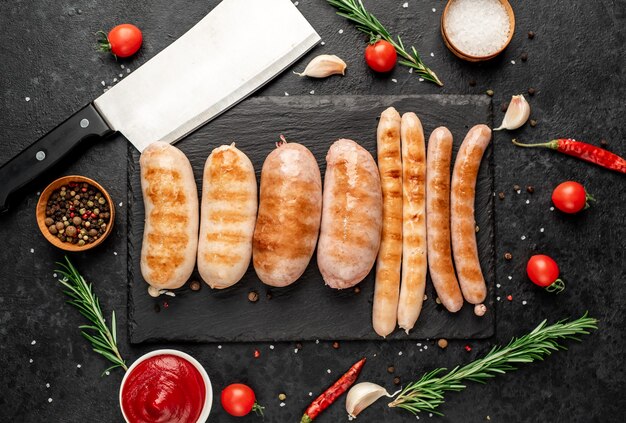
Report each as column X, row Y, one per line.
column 428, row 393
column 102, row 339
column 354, row 11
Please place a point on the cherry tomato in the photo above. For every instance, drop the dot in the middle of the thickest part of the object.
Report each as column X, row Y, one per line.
column 123, row 41
column 381, row 56
column 239, row 399
column 570, row 197
column 544, row 272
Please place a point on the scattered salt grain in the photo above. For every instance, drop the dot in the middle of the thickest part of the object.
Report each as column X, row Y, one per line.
column 425, row 347
column 312, row 92
column 394, row 80
column 310, row 394
column 477, row 27
column 286, row 94
column 107, row 373
column 30, row 361
column 323, row 43
column 114, row 80
column 421, row 80
column 527, row 201
column 114, row 253
column 219, row 347
column 510, row 277
column 498, row 285
column 497, row 298
column 27, row 98
column 38, row 193
column 295, row 351
column 121, row 75
column 282, row 404
column 519, row 191
column 271, row 347
column 121, row 204
column 341, row 31
column 512, row 62
column 54, row 275
column 399, row 352
column 432, row 54
column 296, row 3
column 127, row 70
column 410, row 70
column 328, row 371
column 541, row 230
column 47, row 385
column 434, row 10
column 317, row 341
column 49, row 399
column 103, row 83
column 32, row 251
column 33, row 342
column 78, row 366
column 524, row 302
column 523, row 237
column 405, row 4
column 551, row 208
column 121, row 66
column 419, row 344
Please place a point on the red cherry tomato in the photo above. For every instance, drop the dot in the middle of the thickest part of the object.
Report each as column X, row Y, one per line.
column 544, row 272
column 239, row 399
column 570, row 197
column 381, row 56
column 123, row 41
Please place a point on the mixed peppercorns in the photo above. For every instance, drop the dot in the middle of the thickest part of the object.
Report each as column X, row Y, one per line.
column 77, row 213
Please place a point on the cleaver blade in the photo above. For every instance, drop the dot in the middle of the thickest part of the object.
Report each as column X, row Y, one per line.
column 230, row 53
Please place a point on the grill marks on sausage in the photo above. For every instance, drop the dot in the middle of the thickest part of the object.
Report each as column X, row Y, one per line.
column 167, row 240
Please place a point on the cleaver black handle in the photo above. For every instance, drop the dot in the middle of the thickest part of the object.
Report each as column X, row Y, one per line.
column 49, row 150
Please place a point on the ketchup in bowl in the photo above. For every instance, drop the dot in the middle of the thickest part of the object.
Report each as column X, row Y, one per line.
column 163, row 388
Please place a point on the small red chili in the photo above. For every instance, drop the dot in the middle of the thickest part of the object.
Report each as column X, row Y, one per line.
column 584, row 151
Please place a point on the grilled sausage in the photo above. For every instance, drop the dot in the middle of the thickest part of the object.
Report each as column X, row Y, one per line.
column 414, row 265
column 351, row 215
column 290, row 210
column 387, row 289
column 438, row 219
column 462, row 213
column 170, row 236
column 228, row 214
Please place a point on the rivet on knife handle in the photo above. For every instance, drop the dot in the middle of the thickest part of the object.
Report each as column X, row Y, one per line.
column 49, row 150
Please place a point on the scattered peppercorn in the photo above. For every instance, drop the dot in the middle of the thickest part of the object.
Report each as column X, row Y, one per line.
column 533, row 123
column 531, row 91
column 391, row 369
column 357, row 290
column 194, row 285
column 508, row 256
column 504, row 106
column 70, row 215
column 516, row 187
column 604, row 143
column 489, row 93
column 477, row 228
column 442, row 343
column 501, row 195
column 524, row 57
column 253, row 296
column 530, row 189
column 531, row 35
column 472, row 83
column 282, row 397
column 336, row 345
column 437, row 300
column 396, row 380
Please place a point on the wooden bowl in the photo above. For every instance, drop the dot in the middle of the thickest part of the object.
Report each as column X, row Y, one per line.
column 465, row 56
column 41, row 213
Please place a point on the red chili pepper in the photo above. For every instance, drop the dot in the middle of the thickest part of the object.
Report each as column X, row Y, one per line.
column 329, row 396
column 584, row 151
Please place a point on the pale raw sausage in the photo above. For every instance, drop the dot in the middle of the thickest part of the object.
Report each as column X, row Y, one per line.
column 351, row 215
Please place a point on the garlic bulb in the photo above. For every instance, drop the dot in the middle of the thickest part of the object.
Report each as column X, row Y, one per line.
column 517, row 114
column 362, row 395
column 323, row 66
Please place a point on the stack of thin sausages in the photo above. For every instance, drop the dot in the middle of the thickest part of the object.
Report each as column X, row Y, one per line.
column 395, row 214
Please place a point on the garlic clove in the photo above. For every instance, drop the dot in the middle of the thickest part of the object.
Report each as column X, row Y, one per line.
column 362, row 395
column 517, row 114
column 323, row 66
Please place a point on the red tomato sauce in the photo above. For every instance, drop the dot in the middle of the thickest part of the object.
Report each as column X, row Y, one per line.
column 163, row 388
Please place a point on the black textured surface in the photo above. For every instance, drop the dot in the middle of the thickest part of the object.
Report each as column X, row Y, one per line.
column 306, row 310
column 575, row 63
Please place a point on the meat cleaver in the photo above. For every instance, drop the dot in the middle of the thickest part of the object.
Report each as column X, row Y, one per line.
column 230, row 53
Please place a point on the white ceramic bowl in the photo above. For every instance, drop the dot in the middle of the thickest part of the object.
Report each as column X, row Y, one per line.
column 208, row 400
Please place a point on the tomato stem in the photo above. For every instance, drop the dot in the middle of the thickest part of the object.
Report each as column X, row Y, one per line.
column 258, row 409
column 557, row 286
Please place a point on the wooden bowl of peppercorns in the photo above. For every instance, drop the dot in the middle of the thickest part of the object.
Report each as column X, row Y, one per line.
column 75, row 213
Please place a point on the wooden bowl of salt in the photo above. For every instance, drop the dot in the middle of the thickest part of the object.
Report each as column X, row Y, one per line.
column 477, row 30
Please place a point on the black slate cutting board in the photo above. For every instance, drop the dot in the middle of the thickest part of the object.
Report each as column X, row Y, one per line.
column 306, row 310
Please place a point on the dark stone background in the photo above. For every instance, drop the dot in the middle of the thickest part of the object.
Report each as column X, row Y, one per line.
column 576, row 64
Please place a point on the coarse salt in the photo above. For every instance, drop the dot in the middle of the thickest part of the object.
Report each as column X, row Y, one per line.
column 33, row 342
column 49, row 399
column 434, row 10
column 282, row 404
column 477, row 27
column 312, row 92
column 323, row 43
column 47, row 385
column 328, row 371
column 271, row 347
column 405, row 4
column 541, row 230
column 32, row 251
column 341, row 31
column 523, row 237
column 394, row 80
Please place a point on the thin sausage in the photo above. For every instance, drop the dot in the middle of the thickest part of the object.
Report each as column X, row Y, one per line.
column 228, row 214
column 290, row 210
column 352, row 211
column 170, row 236
column 414, row 263
column 463, row 226
column 438, row 219
column 387, row 289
